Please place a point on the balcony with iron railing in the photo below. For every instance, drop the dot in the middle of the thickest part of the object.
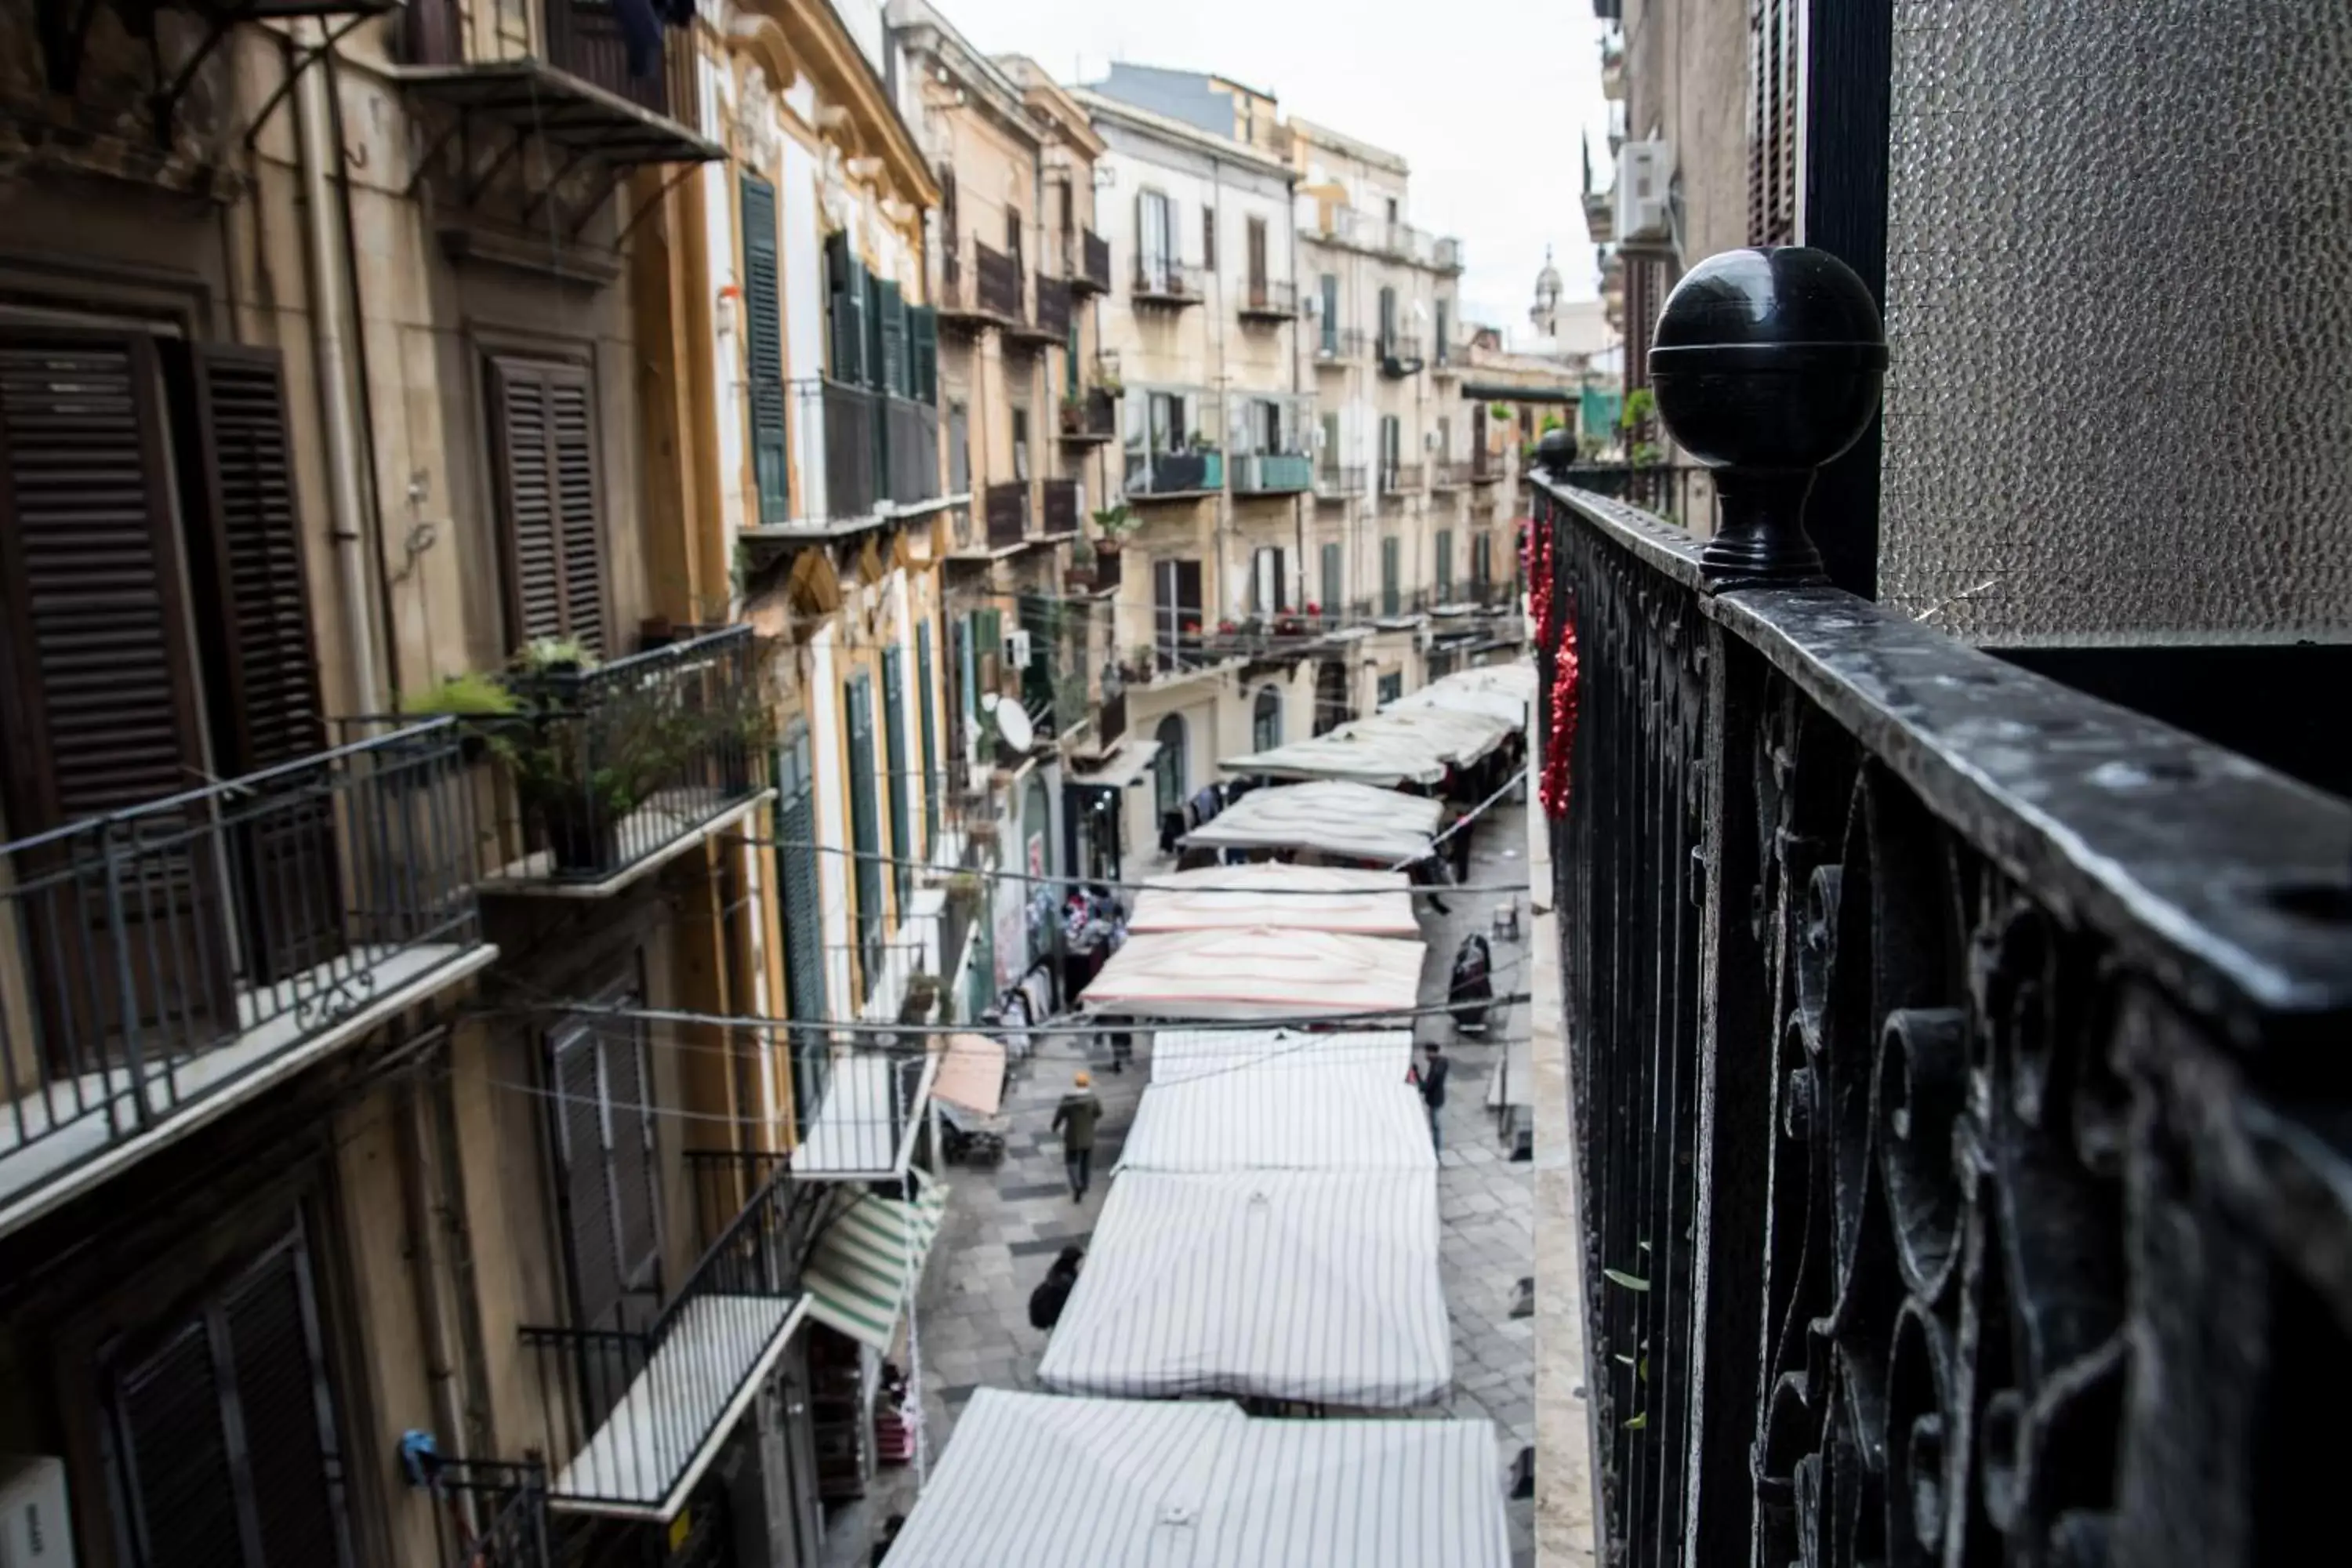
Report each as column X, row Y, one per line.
column 607, row 770
column 1047, row 323
column 1453, row 357
column 1336, row 481
column 980, row 287
column 1336, row 348
column 171, row 959
column 1165, row 283
column 1089, row 417
column 1273, row 473
column 1057, row 503
column 1004, row 512
column 1953, row 1057
column 569, row 44
column 1085, row 260
column 868, row 454
column 1266, row 301
column 1401, row 479
column 1173, row 476
column 1399, row 355
column 1450, row 473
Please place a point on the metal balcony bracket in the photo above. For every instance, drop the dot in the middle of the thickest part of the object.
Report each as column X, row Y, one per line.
column 300, row 57
column 645, row 208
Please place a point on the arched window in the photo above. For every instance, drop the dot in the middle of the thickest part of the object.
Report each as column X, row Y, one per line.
column 1265, row 721
column 1168, row 767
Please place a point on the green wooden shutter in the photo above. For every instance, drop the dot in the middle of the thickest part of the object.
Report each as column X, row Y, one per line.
column 804, row 918
column 896, row 379
column 894, row 751
column 763, row 335
column 923, row 353
column 929, row 732
column 845, row 279
column 874, row 373
column 1335, row 584
column 1390, row 600
column 865, row 830
column 1444, row 563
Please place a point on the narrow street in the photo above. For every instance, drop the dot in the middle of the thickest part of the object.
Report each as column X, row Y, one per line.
column 1004, row 1226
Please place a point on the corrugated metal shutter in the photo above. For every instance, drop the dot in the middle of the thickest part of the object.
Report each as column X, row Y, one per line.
column 253, row 618
column 926, row 701
column 763, row 336
column 865, row 829
column 803, row 919
column 894, row 751
column 544, row 435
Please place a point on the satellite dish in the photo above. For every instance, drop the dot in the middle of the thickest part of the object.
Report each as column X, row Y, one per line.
column 1014, row 725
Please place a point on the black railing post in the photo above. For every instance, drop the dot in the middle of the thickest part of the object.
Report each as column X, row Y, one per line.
column 1768, row 364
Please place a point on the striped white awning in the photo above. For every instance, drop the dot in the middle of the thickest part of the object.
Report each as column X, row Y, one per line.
column 865, row 1125
column 1504, row 691
column 1311, row 1115
column 1314, row 1286
column 867, row 1259
column 1256, row 972
column 1178, row 1054
column 1350, row 821
column 679, row 1409
column 1095, row 1483
column 1317, row 897
column 1395, row 746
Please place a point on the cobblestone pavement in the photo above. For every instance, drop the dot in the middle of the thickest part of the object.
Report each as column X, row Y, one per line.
column 1004, row 1226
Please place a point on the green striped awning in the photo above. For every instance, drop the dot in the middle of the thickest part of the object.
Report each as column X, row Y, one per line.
column 868, row 1258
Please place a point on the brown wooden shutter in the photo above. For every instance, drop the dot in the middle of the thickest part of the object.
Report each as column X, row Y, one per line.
column 253, row 622
column 544, row 450
column 172, row 1450
column 588, row 1200
column 1773, row 67
column 280, row 1376
column 628, row 1100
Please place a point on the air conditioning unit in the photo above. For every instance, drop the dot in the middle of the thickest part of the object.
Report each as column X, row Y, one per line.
column 34, row 1530
column 1646, row 171
column 1016, row 649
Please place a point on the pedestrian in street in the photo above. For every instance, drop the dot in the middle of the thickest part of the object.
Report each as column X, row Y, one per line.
column 890, row 1529
column 1047, row 1301
column 1432, row 1079
column 1075, row 1120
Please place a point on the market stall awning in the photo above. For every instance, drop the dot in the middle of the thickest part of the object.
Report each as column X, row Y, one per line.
column 1502, row 691
column 1180, row 1054
column 1315, row 1286
column 1103, row 1483
column 867, row 1258
column 1308, row 1113
column 714, row 1353
column 1129, row 762
column 1395, row 746
column 1317, row 897
column 1256, row 972
column 866, row 1123
column 1349, row 821
column 972, row 1074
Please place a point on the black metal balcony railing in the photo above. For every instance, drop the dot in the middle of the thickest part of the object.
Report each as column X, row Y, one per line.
column 1058, row 504
column 854, row 445
column 1339, row 478
column 1053, row 314
column 1162, row 280
column 1401, row 479
column 582, row 38
column 911, row 451
column 1449, row 473
column 688, row 1361
column 1400, row 354
column 1005, row 509
column 1110, row 717
column 1487, row 467
column 1948, row 1087
column 621, row 763
column 1682, row 493
column 999, row 278
column 165, row 953
column 1093, row 418
column 1087, row 261
column 1267, row 300
column 1340, row 345
column 1175, row 473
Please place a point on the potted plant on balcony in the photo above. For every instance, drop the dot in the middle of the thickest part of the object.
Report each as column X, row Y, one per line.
column 1073, row 412
column 1112, row 525
column 922, row 1000
column 1080, row 574
column 963, row 891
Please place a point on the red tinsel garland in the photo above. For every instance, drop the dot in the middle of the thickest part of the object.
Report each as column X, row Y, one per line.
column 1560, row 741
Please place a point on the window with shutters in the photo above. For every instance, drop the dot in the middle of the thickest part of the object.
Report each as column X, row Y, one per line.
column 1020, row 442
column 804, row 918
column 1176, row 605
column 894, row 753
column 1388, row 320
column 763, row 349
column 1334, row 581
column 1482, row 562
column 1330, row 291
column 927, row 726
column 864, row 831
column 543, row 443
column 1267, row 597
column 923, row 353
column 1773, row 73
column 221, row 1430
column 605, row 1149
column 1254, row 233
column 1392, row 594
column 1265, row 720
column 896, row 378
column 1208, row 239
column 847, row 329
column 1444, row 563
column 1155, row 239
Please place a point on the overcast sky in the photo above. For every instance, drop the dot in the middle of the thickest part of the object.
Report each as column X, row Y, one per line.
column 1487, row 101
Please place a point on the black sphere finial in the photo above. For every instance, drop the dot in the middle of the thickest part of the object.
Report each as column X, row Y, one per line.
column 1555, row 453
column 1766, row 366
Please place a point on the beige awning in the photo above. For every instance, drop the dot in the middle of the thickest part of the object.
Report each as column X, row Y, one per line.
column 1128, row 763
column 972, row 1074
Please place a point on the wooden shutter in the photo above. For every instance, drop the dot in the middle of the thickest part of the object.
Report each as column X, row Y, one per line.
column 544, row 450
column 98, row 679
column 894, row 753
column 1335, row 589
column 253, row 621
column 928, row 727
column 1773, row 67
column 865, row 829
column 846, row 276
column 1256, row 236
column 1445, row 561
column 280, row 1376
column 763, row 335
column 923, row 353
column 804, row 921
column 1208, row 239
column 628, row 1121
column 170, row 1448
column 947, row 213
column 579, row 1113
column 892, row 331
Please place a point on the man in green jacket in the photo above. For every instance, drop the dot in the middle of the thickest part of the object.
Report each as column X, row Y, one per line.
column 1075, row 1120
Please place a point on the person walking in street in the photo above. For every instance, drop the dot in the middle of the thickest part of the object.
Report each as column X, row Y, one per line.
column 1432, row 1079
column 1075, row 1120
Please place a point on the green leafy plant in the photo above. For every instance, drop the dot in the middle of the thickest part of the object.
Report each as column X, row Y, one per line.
column 1640, row 406
column 1500, row 411
column 1116, row 522
column 963, row 890
column 1551, row 424
column 472, row 695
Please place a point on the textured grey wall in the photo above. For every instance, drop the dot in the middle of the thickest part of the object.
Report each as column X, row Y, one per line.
column 2119, row 297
